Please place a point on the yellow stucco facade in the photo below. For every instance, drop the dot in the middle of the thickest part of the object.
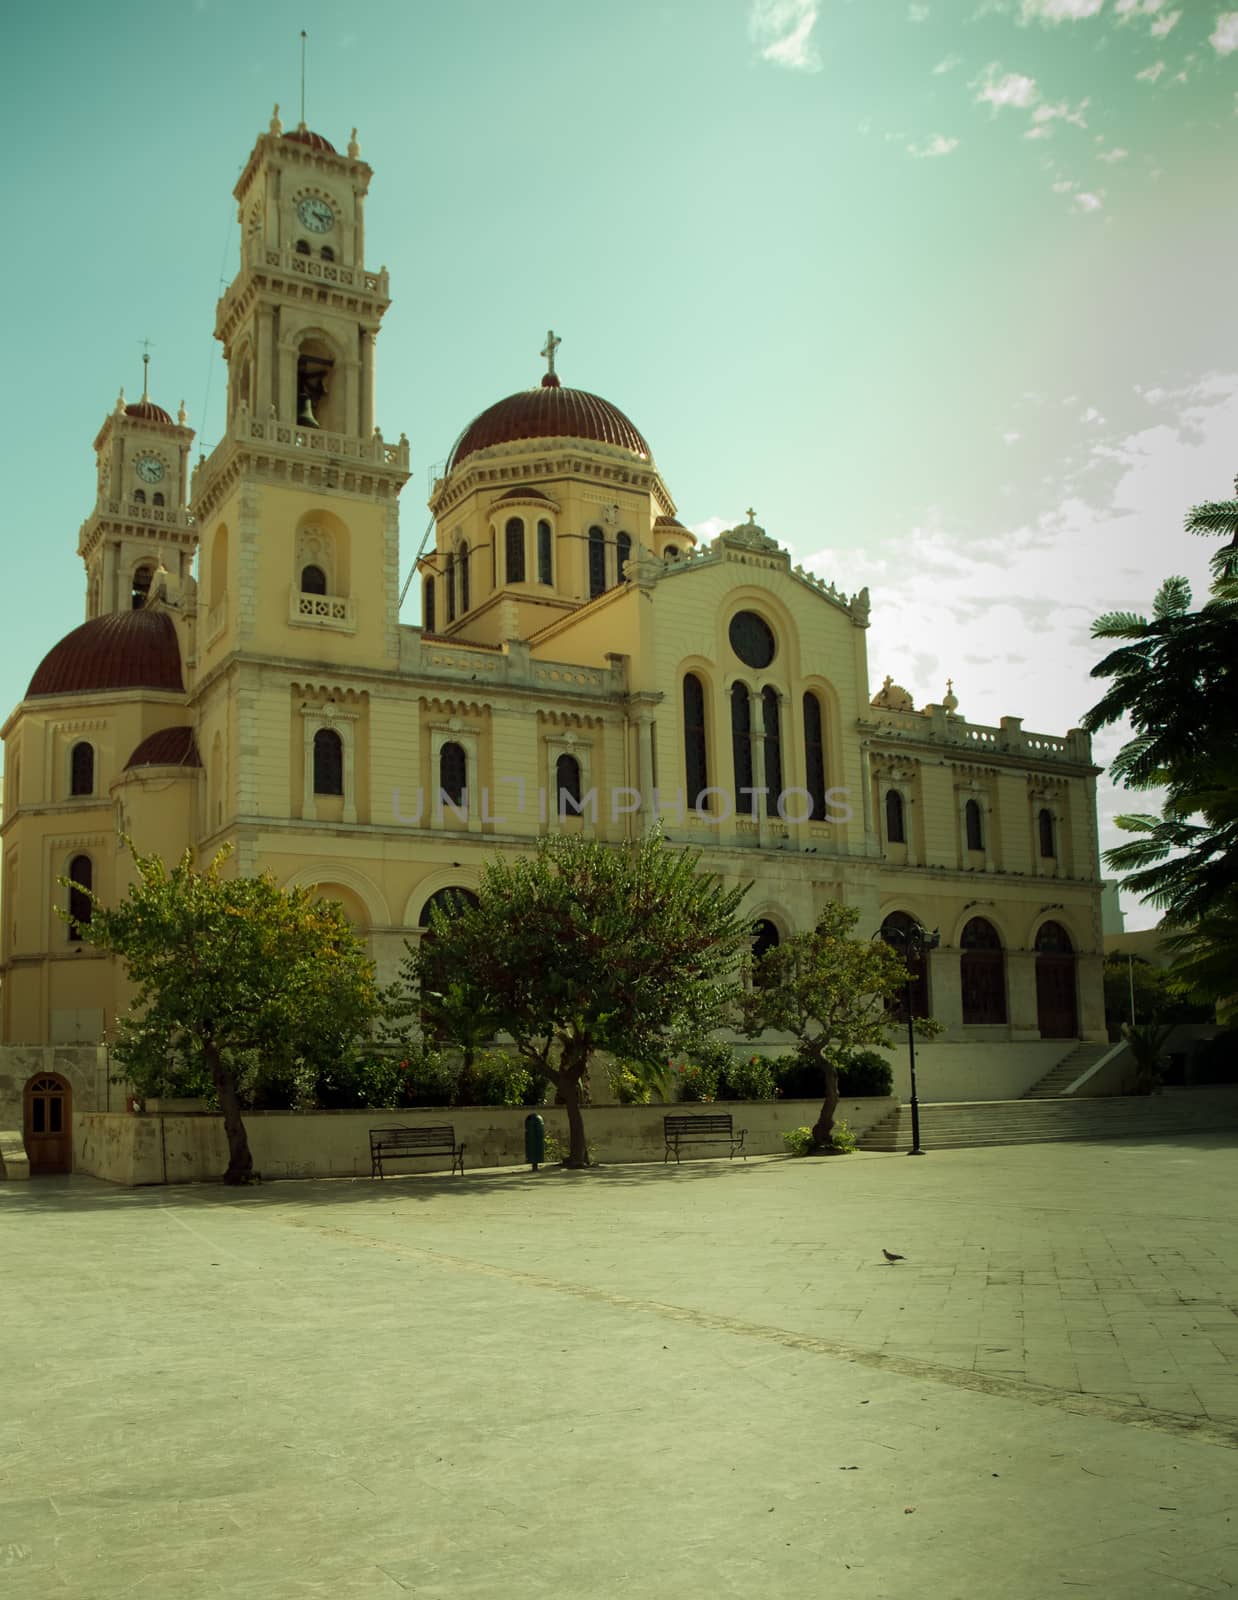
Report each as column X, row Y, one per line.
column 577, row 638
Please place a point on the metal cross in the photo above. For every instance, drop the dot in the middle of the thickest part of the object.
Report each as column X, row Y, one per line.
column 548, row 351
column 147, row 347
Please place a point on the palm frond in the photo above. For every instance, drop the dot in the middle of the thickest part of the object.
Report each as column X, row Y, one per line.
column 1173, row 598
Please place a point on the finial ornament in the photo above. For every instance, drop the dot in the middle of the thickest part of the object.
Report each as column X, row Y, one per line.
column 182, row 416
column 752, row 517
column 276, row 125
column 548, row 351
column 354, row 149
column 120, row 399
column 147, row 347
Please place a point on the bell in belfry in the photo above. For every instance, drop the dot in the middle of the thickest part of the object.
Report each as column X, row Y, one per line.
column 307, row 416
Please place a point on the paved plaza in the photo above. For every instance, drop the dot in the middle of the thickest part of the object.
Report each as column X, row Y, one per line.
column 638, row 1381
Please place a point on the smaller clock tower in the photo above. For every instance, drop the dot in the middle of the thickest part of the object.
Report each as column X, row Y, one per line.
column 139, row 521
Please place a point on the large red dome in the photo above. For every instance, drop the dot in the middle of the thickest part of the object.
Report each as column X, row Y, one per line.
column 550, row 412
column 126, row 650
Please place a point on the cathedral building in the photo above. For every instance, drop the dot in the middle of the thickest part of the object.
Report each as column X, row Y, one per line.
column 584, row 662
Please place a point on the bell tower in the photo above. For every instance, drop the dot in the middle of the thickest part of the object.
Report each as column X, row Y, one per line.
column 296, row 506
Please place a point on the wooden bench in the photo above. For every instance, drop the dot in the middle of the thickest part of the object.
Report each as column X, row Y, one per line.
column 716, row 1128
column 399, row 1143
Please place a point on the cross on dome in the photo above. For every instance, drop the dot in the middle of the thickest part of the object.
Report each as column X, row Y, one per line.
column 752, row 517
column 147, row 347
column 551, row 378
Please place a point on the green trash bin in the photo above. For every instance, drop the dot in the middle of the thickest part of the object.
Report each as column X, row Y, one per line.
column 534, row 1140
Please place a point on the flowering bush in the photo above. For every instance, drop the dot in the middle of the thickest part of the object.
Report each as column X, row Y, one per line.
column 748, row 1080
column 694, row 1080
column 800, row 1142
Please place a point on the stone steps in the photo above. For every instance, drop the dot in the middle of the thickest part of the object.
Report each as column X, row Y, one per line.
column 1044, row 1121
column 1075, row 1065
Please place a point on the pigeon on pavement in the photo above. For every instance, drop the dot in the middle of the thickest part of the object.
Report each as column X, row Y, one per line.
column 890, row 1256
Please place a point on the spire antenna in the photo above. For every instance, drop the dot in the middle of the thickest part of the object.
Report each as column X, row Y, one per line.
column 302, row 77
column 147, row 347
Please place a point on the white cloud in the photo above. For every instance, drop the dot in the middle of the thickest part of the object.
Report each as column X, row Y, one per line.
column 1062, row 112
column 1170, row 20
column 1010, row 89
column 1065, row 186
column 1128, row 10
column 1116, row 154
column 1088, row 202
column 947, row 64
column 1011, row 438
column 1091, row 415
column 1150, row 74
column 917, row 13
column 938, row 145
column 783, row 30
column 1059, row 10
column 1225, row 40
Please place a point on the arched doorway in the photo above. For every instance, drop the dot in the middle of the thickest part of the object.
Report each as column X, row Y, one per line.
column 48, row 1123
column 982, row 973
column 896, row 930
column 450, row 902
column 1057, row 1006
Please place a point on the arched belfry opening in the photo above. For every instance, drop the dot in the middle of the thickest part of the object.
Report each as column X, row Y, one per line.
column 318, row 403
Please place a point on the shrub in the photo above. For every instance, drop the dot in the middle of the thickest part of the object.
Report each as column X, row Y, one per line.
column 796, row 1079
column 747, row 1080
column 494, row 1079
column 692, row 1081
column 842, row 1140
column 628, row 1084
column 864, row 1072
column 800, row 1142
column 425, row 1078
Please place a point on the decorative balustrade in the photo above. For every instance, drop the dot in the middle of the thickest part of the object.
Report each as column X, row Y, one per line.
column 168, row 516
column 318, row 442
column 322, row 611
column 316, row 270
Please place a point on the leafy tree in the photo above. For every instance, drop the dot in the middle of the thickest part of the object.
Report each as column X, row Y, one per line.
column 229, row 972
column 1161, row 994
column 586, row 947
column 1173, row 679
column 829, row 990
column 1146, row 1042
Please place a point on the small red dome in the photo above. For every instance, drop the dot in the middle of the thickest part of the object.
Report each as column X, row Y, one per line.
column 303, row 135
column 148, row 411
column 550, row 413
column 170, row 747
column 127, row 650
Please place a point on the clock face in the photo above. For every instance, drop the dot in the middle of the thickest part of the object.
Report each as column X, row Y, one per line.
column 149, row 468
column 316, row 214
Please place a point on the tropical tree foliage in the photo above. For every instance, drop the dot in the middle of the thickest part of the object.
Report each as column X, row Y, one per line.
column 588, row 947
column 1173, row 678
column 232, row 975
column 1158, row 994
column 831, row 992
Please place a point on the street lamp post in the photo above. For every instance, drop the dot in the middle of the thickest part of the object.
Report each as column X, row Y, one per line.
column 916, row 944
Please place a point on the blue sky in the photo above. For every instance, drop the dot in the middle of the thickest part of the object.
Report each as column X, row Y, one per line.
column 943, row 289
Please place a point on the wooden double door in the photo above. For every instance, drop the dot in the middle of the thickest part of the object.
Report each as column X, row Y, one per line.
column 48, row 1123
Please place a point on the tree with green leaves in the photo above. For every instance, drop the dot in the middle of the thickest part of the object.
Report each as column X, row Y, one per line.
column 1159, row 994
column 1173, row 678
column 832, row 993
column 227, row 972
column 588, row 947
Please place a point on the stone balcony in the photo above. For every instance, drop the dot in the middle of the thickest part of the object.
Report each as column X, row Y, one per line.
column 322, row 611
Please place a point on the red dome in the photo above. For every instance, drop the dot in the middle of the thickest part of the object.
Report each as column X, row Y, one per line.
column 170, row 747
column 550, row 413
column 148, row 411
column 303, row 135
column 128, row 650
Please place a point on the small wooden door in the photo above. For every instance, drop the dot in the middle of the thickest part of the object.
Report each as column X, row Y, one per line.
column 49, row 1124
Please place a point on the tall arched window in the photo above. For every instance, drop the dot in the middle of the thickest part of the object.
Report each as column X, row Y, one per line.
column 515, row 550
column 428, row 618
column 313, row 580
column 814, row 755
column 567, row 786
column 765, row 937
column 453, row 773
column 82, row 768
column 449, row 903
column 975, row 825
column 771, row 726
column 463, row 559
column 695, row 748
column 449, row 583
column 82, row 876
column 896, row 823
column 741, row 748
column 141, row 586
column 982, row 973
column 1048, row 845
column 328, row 762
column 545, row 556
column 623, row 554
column 895, row 930
column 597, row 562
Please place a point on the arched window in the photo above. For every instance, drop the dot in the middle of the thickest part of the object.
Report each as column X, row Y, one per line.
column 515, row 550
column 327, row 253
column 427, row 605
column 975, row 825
column 449, row 583
column 982, row 973
column 328, row 762
column 302, row 247
column 313, row 580
column 695, row 748
column 765, row 937
column 545, row 558
column 567, row 786
column 741, row 748
column 814, row 755
column 82, row 768
column 623, row 553
column 139, row 497
column 597, row 562
column 1048, row 845
column 453, row 773
column 141, row 586
column 895, row 930
column 1057, row 1003
column 771, row 726
column 156, row 499
column 448, row 903
column 672, row 552
column 82, row 876
column 896, row 826
column 464, row 576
